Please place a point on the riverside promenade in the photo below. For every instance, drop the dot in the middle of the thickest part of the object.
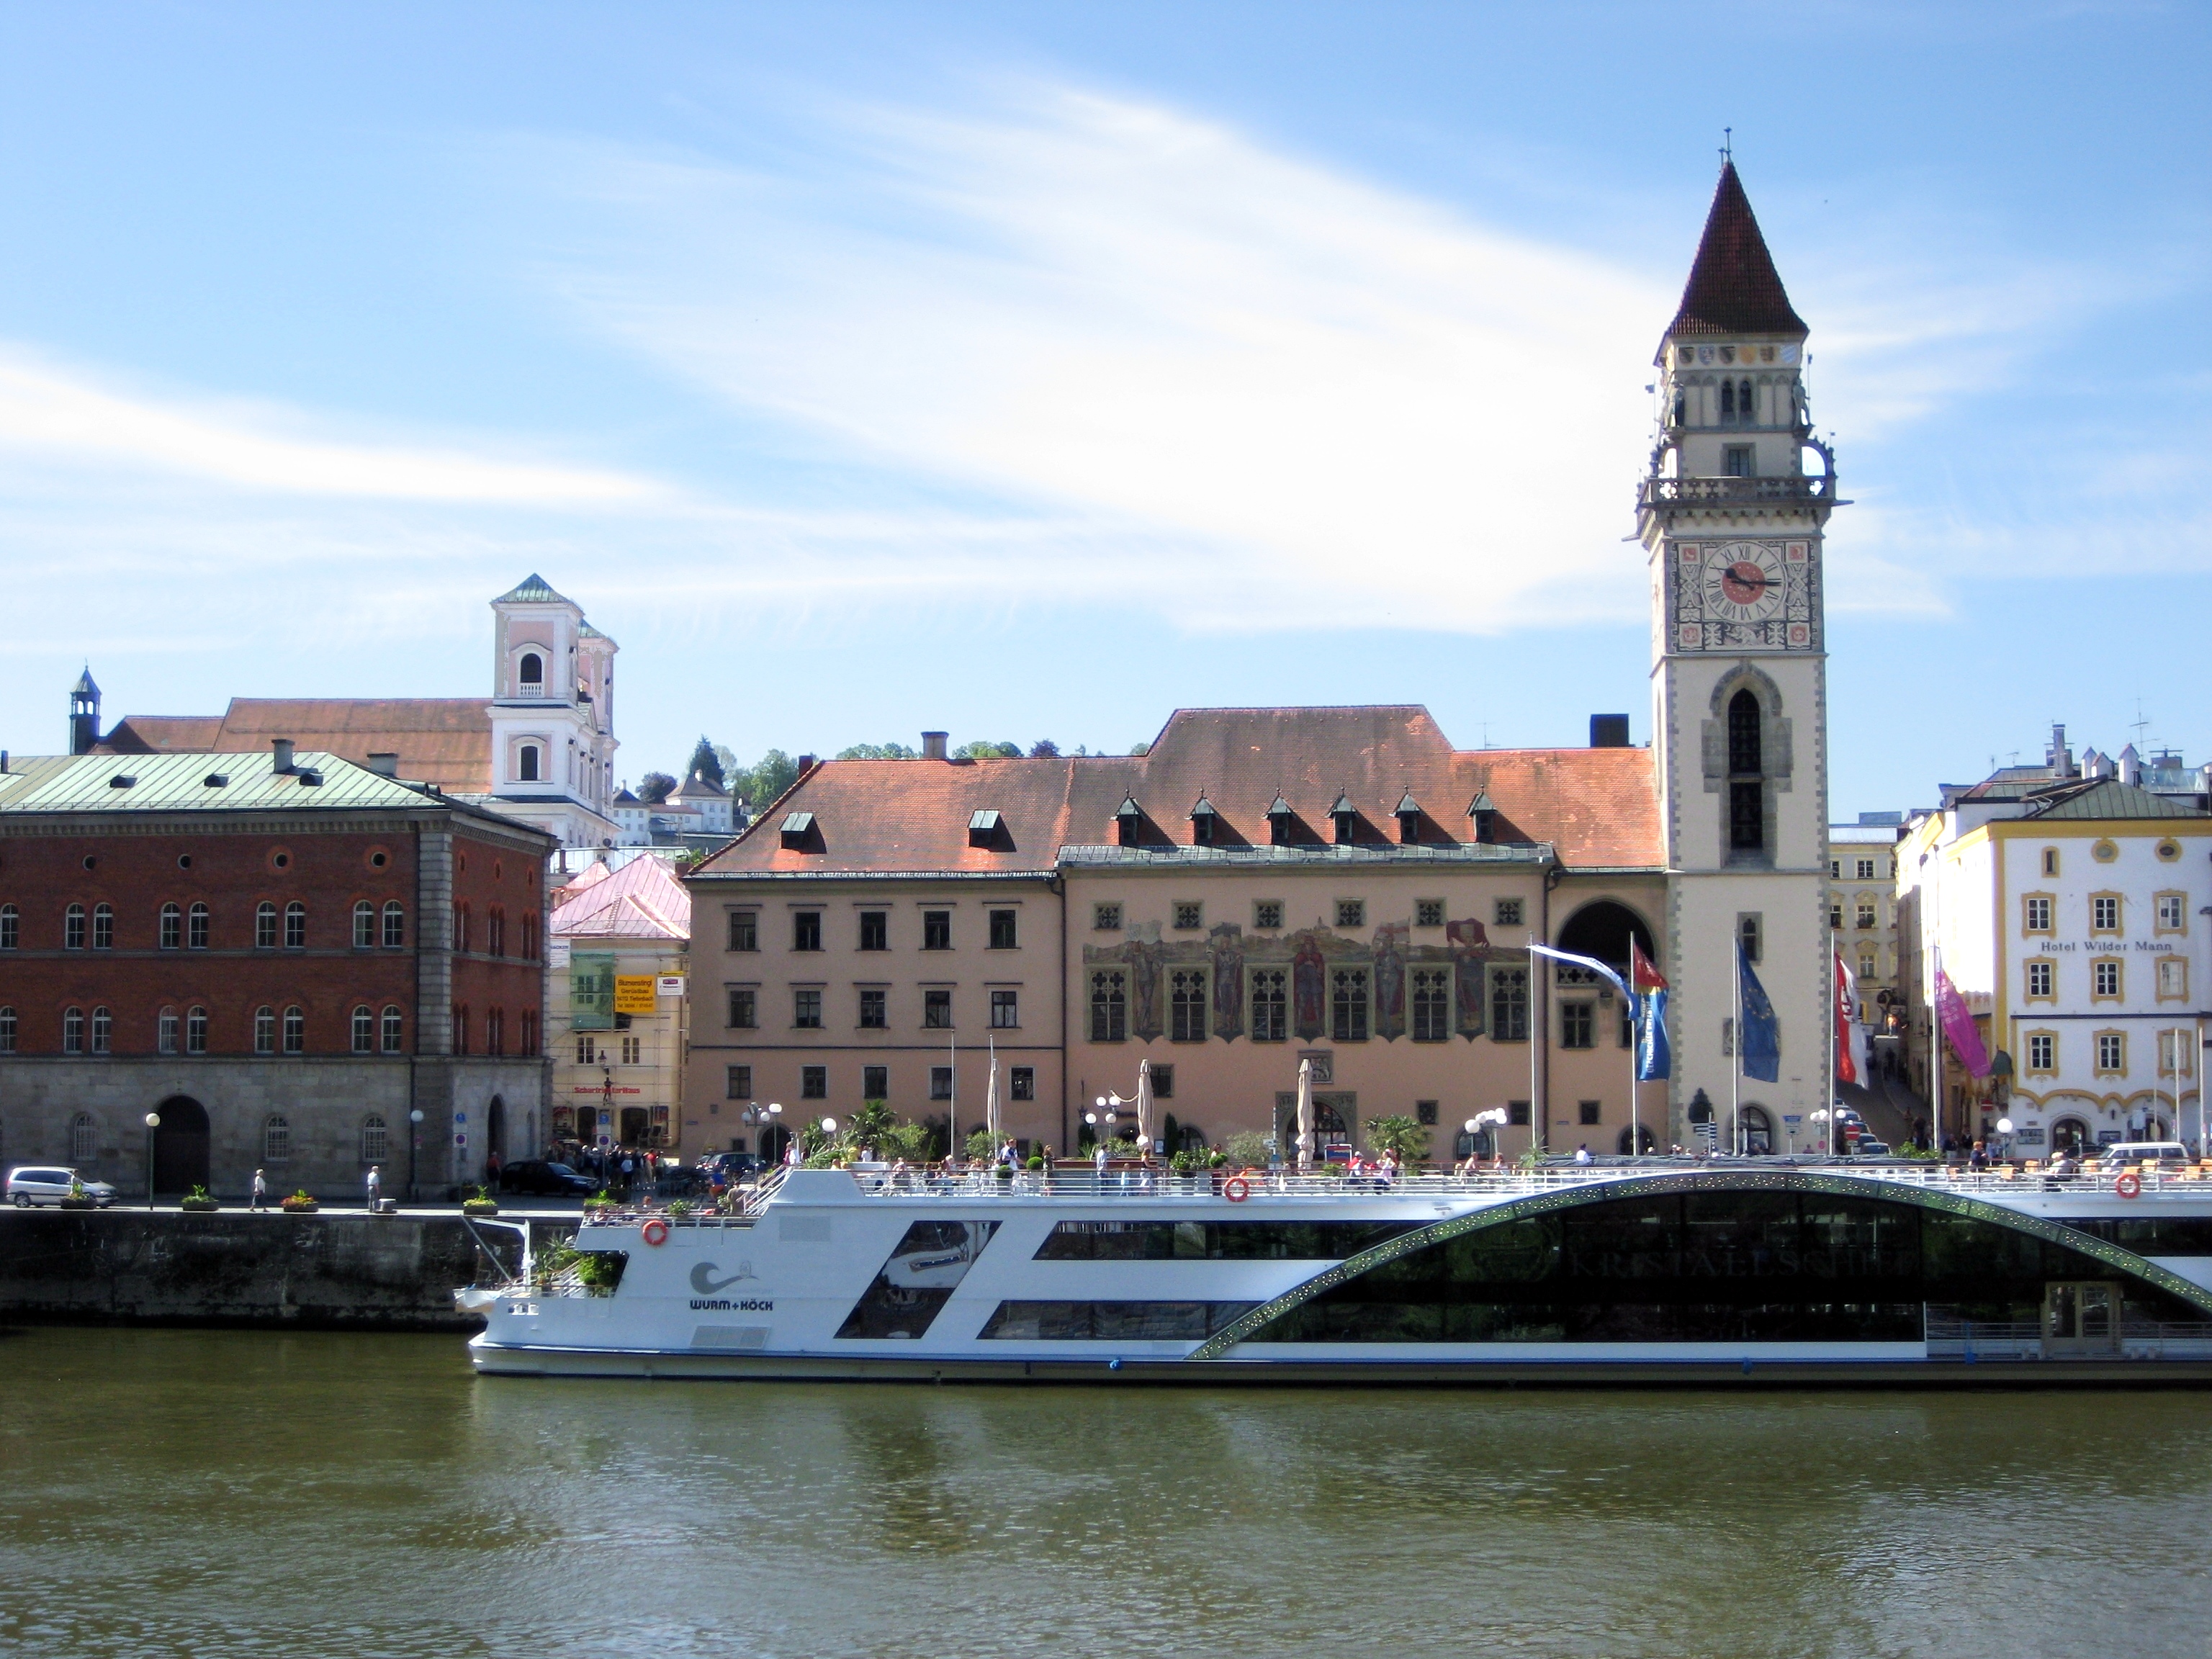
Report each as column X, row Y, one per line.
column 339, row 1268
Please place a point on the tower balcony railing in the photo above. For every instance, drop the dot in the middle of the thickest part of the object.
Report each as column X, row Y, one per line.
column 1736, row 492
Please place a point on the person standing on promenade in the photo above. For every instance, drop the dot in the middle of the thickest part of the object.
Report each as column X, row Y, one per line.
column 260, row 1191
column 375, row 1187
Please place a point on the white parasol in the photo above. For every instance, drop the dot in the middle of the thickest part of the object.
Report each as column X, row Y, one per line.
column 1144, row 1106
column 1305, row 1113
column 991, row 1101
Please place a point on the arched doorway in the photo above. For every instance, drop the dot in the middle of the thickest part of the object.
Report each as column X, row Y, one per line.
column 775, row 1141
column 635, row 1126
column 2071, row 1135
column 1604, row 929
column 1758, row 1132
column 180, row 1145
column 495, row 1130
column 1646, row 1142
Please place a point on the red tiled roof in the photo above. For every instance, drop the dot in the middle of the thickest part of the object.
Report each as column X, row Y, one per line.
column 1734, row 288
column 641, row 900
column 442, row 740
column 1599, row 807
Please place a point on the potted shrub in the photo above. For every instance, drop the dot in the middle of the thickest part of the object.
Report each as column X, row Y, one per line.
column 76, row 1198
column 599, row 1203
column 482, row 1203
column 679, row 1208
column 301, row 1203
column 200, row 1201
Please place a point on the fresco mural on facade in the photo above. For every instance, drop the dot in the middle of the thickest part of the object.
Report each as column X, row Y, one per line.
column 1469, row 944
column 1227, row 943
column 1309, row 987
column 1390, row 949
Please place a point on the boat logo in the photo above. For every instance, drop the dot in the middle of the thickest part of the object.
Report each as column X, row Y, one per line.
column 704, row 1282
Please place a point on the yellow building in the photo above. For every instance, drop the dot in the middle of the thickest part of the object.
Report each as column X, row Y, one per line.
column 617, row 1007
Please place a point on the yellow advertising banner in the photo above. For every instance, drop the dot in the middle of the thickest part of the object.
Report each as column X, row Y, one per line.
column 635, row 994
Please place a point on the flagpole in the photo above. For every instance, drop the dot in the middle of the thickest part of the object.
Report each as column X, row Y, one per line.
column 952, row 1099
column 1735, row 1071
column 1635, row 1056
column 1535, row 1105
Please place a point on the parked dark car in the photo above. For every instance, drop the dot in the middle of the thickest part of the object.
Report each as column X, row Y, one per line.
column 730, row 1168
column 545, row 1180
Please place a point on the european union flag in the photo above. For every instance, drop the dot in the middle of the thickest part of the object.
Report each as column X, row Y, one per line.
column 1758, row 1044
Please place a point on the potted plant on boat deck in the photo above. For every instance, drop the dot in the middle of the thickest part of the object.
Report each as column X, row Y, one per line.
column 199, row 1201
column 598, row 1203
column 301, row 1203
column 482, row 1204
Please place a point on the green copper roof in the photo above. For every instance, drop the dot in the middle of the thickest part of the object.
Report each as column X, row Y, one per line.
column 2109, row 799
column 196, row 783
column 533, row 589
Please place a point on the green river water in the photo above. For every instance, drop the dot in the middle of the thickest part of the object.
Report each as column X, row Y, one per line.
column 241, row 1494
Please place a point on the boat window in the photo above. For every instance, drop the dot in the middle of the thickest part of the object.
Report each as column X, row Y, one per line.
column 916, row 1281
column 2150, row 1235
column 1112, row 1322
column 1214, row 1241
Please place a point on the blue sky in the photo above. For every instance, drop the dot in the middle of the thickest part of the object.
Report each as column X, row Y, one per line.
column 1033, row 370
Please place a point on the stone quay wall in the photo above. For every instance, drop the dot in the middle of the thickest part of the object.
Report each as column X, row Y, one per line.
column 238, row 1267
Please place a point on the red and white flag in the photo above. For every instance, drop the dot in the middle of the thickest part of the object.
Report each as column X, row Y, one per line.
column 1848, row 1068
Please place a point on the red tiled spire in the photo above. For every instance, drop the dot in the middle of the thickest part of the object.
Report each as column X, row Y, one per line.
column 1733, row 287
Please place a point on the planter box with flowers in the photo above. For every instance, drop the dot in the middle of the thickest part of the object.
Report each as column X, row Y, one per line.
column 301, row 1203
column 199, row 1201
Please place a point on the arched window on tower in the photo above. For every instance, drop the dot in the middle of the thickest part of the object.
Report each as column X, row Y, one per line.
column 1746, row 789
column 531, row 674
column 527, row 763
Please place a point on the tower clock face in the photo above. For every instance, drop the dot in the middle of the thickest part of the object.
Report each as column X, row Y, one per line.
column 1743, row 581
column 1740, row 595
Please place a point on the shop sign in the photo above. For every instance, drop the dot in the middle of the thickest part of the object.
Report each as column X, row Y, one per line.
column 633, row 994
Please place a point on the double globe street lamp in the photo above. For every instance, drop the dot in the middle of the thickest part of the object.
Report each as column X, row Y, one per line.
column 1496, row 1117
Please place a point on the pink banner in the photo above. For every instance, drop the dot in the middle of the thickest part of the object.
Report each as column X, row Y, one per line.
column 1959, row 1026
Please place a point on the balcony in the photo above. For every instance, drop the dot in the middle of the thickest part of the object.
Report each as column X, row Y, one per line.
column 1736, row 492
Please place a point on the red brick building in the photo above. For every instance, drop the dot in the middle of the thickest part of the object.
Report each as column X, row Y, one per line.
column 282, row 956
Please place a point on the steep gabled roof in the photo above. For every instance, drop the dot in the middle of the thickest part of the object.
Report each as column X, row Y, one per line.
column 1734, row 288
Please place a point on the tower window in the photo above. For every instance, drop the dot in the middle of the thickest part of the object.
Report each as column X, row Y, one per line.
column 532, row 671
column 527, row 763
column 1737, row 461
column 1747, row 793
column 1727, row 400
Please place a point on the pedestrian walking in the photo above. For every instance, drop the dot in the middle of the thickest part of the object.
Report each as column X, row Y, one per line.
column 375, row 1187
column 260, row 1191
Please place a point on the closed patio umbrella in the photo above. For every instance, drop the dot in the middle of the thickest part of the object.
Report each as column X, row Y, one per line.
column 1144, row 1105
column 1305, row 1113
column 991, row 1103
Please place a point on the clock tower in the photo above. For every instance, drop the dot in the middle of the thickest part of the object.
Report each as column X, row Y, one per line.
column 1732, row 521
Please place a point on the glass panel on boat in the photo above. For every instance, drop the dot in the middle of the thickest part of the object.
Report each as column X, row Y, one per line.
column 1214, row 1241
column 918, row 1279
column 1112, row 1322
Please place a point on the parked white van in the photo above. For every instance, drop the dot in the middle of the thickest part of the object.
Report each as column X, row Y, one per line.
column 49, row 1183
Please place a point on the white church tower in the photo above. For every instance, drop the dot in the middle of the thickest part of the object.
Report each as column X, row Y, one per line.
column 1732, row 522
column 552, row 716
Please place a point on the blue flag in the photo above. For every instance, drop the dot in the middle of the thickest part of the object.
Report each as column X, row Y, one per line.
column 1759, row 1045
column 1654, row 1059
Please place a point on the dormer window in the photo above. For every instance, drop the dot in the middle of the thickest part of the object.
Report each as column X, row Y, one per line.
column 1409, row 819
column 987, row 828
column 1280, row 821
column 799, row 834
column 530, row 673
column 1484, row 812
column 1347, row 817
column 1129, row 823
column 1205, row 824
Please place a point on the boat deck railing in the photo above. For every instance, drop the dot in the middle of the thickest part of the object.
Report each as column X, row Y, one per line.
column 1950, row 1337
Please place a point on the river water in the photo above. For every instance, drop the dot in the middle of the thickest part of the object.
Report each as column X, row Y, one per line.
column 242, row 1493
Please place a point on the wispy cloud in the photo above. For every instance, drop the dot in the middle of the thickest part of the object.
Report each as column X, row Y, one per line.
column 45, row 412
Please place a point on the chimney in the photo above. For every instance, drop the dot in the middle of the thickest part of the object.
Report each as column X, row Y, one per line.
column 932, row 746
column 385, row 762
column 283, row 750
column 1608, row 732
column 2058, row 758
column 805, row 764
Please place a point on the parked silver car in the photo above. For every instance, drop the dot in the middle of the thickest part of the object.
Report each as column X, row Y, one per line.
column 49, row 1183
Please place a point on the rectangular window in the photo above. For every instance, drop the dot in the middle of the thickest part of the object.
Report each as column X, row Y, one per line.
column 2173, row 1049
column 1005, row 1010
column 587, row 1051
column 2173, row 979
column 2042, row 978
column 1268, row 915
column 1189, row 915
column 2104, row 913
column 1509, row 1004
column 936, row 1011
column 941, row 1083
column 1590, row 1112
column 1163, row 1082
column 1836, row 915
column 875, row 1082
column 103, row 928
column 1866, row 913
column 2051, row 861
column 1188, row 990
column 1003, row 925
column 875, row 1014
column 1866, row 869
column 264, row 928
column 1508, row 912
column 1106, row 918
column 1740, row 461
column 1867, row 965
column 295, row 928
column 2111, row 1051
column 745, row 930
column 1431, row 1004
column 1351, row 913
column 1424, row 1113
column 1578, row 1025
column 1428, row 913
column 2035, row 914
column 1348, row 1004
column 2042, row 1051
column 1835, row 869
column 1269, row 1021
column 2104, row 980
column 875, row 930
column 744, row 1007
column 814, row 1083
column 936, row 930
column 633, row 1051
column 1749, row 931
column 1109, row 1006
column 738, row 1082
column 73, row 928
column 1746, row 816
column 806, row 1010
column 1024, row 1083
column 2172, row 913
column 806, row 930
column 1516, row 1113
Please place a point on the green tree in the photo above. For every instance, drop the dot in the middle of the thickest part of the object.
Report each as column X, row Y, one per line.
column 1140, row 749
column 874, row 1123
column 654, row 787
column 878, row 751
column 1401, row 1136
column 706, row 763
column 1248, row 1149
column 983, row 749
column 982, row 1145
column 1044, row 749
column 763, row 783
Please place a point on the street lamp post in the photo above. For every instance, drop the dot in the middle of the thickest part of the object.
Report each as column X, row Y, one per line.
column 762, row 1116
column 414, row 1151
column 153, row 1123
column 1497, row 1115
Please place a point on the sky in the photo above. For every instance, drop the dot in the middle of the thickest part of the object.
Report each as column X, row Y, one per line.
column 1032, row 371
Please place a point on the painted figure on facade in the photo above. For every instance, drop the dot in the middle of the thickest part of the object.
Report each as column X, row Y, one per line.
column 1390, row 978
column 1228, row 945
column 1309, row 988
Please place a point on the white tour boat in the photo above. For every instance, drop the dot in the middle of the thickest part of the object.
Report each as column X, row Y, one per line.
column 1645, row 1271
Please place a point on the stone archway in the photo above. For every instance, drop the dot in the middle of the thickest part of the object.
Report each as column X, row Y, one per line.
column 180, row 1145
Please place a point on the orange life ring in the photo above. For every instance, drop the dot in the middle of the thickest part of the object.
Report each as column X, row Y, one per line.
column 1237, row 1189
column 654, row 1233
column 2129, row 1185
